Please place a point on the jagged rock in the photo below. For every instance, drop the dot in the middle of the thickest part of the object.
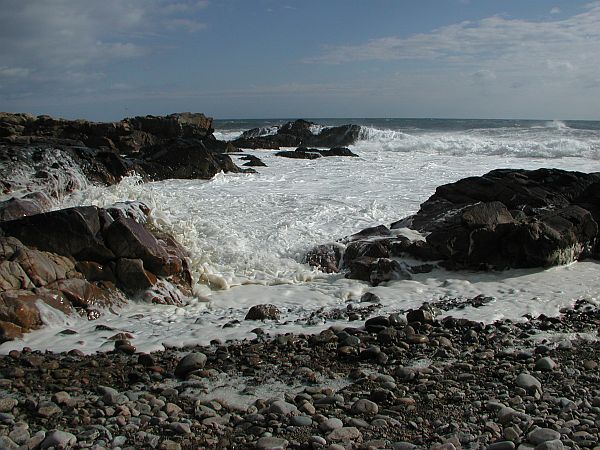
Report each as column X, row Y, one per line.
column 188, row 159
column 324, row 258
column 132, row 275
column 70, row 232
column 300, row 133
column 175, row 146
column 504, row 219
column 129, row 239
column 28, row 205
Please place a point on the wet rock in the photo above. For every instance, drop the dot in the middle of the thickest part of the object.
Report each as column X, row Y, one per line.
column 191, row 362
column 69, row 232
column 132, row 275
column 263, row 312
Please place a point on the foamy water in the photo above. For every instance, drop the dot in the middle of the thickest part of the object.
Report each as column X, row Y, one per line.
column 248, row 234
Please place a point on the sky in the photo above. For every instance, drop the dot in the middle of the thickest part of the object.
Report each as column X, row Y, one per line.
column 108, row 59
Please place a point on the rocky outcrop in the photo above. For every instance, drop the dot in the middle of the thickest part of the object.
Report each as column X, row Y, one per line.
column 82, row 259
column 298, row 133
column 314, row 153
column 62, row 155
column 503, row 219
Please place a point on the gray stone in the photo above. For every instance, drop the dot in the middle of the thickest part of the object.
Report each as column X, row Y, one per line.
column 271, row 443
column 529, row 383
column 61, row 398
column 191, row 362
column 119, row 441
column 7, row 404
column 403, row 446
column 344, row 434
column 318, row 440
column 111, row 396
column 20, row 435
column 58, row 439
column 181, row 428
column 282, row 408
column 48, row 409
column 331, row 424
column 7, row 443
column 301, row 421
column 545, row 363
column 502, row 445
column 364, row 406
column 550, row 445
column 540, row 435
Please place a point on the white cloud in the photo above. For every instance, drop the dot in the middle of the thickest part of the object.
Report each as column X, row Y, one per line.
column 555, row 10
column 488, row 38
column 49, row 39
column 14, row 72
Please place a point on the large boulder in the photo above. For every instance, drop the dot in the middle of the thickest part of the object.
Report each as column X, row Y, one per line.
column 83, row 259
column 503, row 219
column 188, row 159
column 72, row 232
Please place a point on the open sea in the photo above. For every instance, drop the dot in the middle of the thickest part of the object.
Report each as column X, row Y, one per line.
column 248, row 233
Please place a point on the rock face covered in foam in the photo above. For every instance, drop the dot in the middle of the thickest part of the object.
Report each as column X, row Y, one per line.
column 81, row 260
column 503, row 219
column 299, row 133
column 179, row 145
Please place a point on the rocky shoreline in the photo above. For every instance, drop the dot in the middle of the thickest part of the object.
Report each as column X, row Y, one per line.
column 397, row 382
column 391, row 382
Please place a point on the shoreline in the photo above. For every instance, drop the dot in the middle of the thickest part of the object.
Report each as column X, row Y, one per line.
column 389, row 383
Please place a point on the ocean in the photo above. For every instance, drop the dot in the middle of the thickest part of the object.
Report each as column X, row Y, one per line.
column 248, row 233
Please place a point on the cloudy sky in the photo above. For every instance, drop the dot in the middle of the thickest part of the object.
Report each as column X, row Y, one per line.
column 107, row 59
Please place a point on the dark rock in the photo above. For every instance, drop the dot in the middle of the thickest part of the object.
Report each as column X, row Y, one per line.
column 421, row 315
column 189, row 363
column 338, row 151
column 504, row 219
column 263, row 312
column 324, row 258
column 129, row 239
column 71, row 232
column 300, row 133
column 132, row 275
column 28, row 205
column 188, row 159
column 252, row 161
column 299, row 154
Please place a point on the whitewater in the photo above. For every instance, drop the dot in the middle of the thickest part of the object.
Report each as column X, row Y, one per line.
column 248, row 233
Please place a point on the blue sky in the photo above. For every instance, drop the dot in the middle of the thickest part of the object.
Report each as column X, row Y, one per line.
column 107, row 59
